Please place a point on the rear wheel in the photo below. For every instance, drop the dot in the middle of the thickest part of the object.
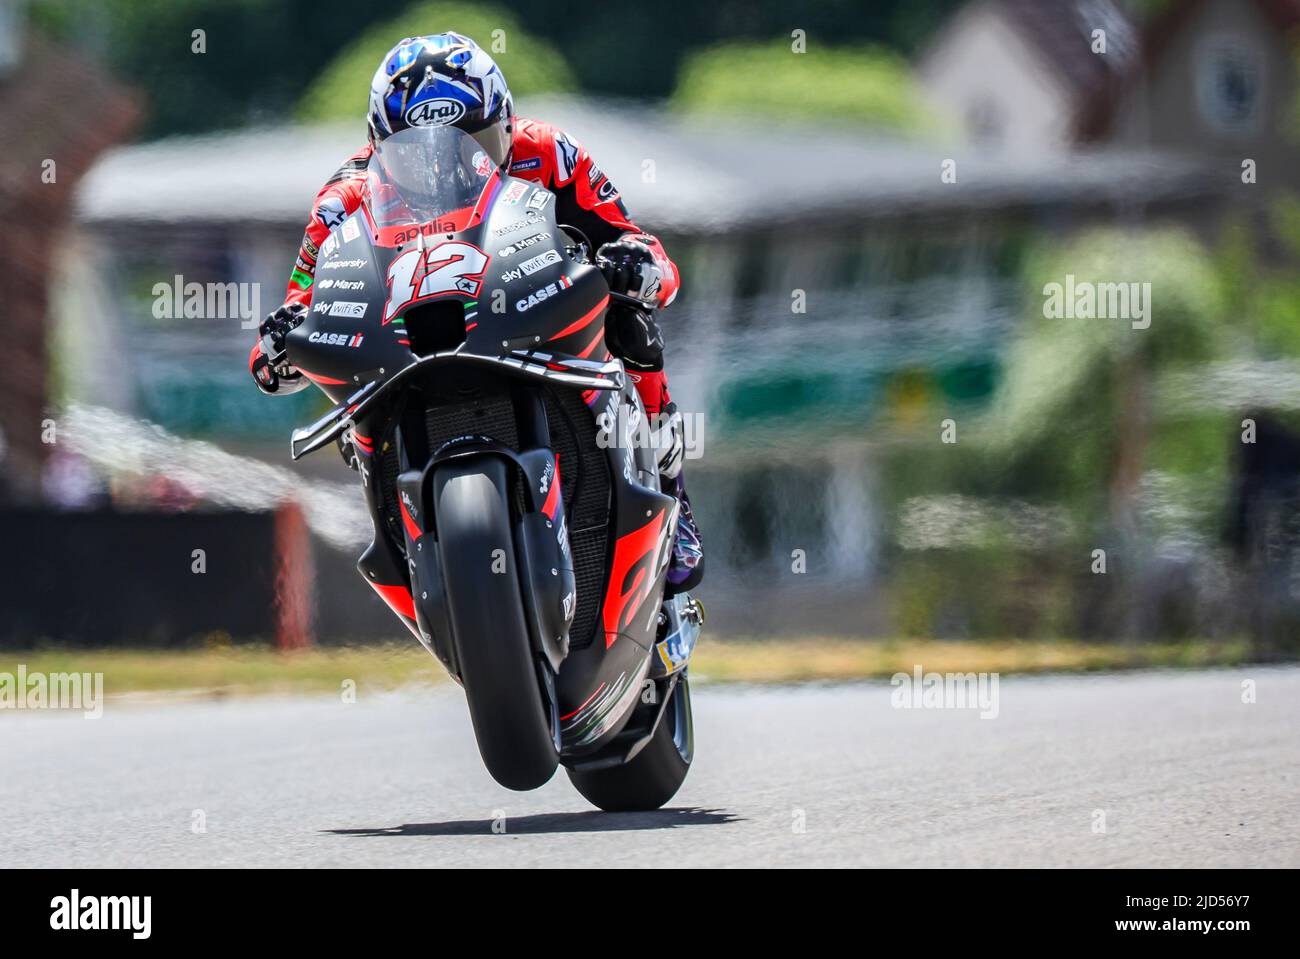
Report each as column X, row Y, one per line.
column 512, row 720
column 656, row 773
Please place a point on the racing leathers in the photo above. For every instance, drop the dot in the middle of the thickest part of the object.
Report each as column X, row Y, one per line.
column 633, row 260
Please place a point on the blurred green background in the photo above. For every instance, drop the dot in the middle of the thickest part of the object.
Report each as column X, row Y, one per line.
column 1103, row 481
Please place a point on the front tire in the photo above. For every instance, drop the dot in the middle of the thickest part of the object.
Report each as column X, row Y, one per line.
column 512, row 722
column 656, row 773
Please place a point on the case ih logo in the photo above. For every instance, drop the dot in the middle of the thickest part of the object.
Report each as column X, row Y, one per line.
column 435, row 113
column 337, row 339
column 545, row 293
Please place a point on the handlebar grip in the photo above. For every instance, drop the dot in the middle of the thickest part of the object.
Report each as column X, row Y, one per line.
column 629, row 301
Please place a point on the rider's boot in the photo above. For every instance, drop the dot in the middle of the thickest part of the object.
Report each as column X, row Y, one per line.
column 686, row 568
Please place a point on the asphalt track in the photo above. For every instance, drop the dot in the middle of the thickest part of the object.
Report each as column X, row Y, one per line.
column 1183, row 771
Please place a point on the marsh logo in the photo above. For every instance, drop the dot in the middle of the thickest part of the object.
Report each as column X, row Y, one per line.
column 1082, row 300
column 922, row 690
column 435, row 113
column 102, row 914
column 523, row 244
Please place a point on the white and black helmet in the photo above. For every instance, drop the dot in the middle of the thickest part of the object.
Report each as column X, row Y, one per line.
column 442, row 80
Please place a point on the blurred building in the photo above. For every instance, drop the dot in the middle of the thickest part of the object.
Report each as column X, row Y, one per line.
column 1208, row 78
column 49, row 145
column 1016, row 74
column 1214, row 78
column 834, row 286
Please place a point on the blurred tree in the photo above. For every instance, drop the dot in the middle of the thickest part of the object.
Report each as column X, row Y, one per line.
column 867, row 83
column 261, row 54
column 638, row 49
column 530, row 65
column 251, row 66
column 1067, row 375
column 1079, row 426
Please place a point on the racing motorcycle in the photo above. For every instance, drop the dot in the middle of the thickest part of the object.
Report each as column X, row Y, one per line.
column 521, row 532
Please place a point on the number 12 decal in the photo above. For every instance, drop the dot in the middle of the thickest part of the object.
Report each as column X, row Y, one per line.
column 451, row 267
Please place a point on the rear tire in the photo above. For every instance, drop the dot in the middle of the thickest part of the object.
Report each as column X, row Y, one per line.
column 497, row 663
column 656, row 773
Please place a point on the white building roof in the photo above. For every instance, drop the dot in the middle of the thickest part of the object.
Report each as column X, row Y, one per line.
column 677, row 174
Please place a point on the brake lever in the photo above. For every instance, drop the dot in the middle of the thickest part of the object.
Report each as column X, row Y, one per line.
column 631, row 301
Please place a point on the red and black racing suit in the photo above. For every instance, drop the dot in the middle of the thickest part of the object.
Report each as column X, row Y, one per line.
column 584, row 198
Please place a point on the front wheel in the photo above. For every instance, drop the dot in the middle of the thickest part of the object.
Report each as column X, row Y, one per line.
column 656, row 773
column 512, row 723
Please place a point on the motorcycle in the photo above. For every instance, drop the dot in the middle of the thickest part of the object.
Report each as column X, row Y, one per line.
column 521, row 532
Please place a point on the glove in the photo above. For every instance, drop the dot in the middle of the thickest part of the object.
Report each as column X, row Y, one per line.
column 631, row 268
column 268, row 361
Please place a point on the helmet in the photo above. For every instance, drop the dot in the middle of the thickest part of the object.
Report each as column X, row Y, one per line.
column 442, row 80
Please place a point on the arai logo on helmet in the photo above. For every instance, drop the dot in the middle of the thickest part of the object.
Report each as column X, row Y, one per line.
column 435, row 113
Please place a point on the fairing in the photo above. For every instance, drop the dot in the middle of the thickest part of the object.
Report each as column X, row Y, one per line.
column 466, row 274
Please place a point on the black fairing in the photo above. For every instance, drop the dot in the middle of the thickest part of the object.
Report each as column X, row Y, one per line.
column 470, row 398
column 348, row 340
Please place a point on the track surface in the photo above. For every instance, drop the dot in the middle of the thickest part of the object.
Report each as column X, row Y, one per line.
column 1184, row 771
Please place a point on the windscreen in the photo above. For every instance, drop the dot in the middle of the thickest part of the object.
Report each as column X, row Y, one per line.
column 427, row 174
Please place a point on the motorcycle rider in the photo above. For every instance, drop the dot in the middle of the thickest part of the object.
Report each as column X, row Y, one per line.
column 451, row 67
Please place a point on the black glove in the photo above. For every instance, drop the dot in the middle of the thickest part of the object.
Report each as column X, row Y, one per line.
column 630, row 268
column 269, row 363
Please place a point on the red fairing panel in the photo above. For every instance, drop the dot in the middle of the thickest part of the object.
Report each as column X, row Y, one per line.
column 540, row 153
column 631, row 576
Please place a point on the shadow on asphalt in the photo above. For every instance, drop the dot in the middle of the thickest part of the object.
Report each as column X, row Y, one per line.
column 558, row 822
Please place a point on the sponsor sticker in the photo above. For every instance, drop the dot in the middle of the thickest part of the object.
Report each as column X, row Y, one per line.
column 532, row 220
column 566, row 158
column 532, row 163
column 514, row 192
column 343, row 264
column 438, row 112
column 336, row 339
column 539, row 199
column 523, row 244
column 428, row 229
column 545, row 293
column 351, row 230
column 348, row 308
column 330, row 212
column 540, row 262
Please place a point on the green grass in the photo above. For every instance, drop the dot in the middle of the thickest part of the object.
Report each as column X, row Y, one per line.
column 242, row 671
